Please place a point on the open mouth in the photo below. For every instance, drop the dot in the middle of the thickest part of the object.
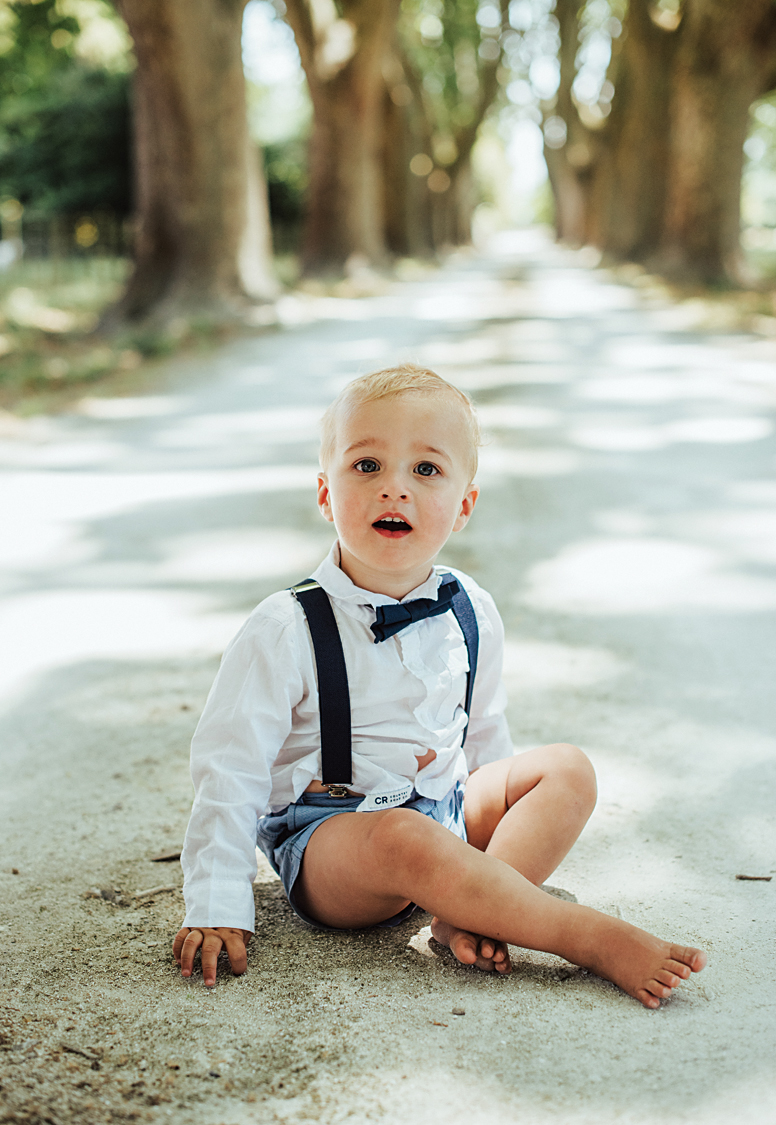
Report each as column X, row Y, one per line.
column 392, row 526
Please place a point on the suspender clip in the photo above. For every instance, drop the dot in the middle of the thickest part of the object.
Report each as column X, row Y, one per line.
column 337, row 790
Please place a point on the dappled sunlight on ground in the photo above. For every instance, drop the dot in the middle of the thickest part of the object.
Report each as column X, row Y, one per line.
column 627, row 529
column 240, row 555
column 264, row 427
column 643, row 575
column 531, row 666
column 59, row 628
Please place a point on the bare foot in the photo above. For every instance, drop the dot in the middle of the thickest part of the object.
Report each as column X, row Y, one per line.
column 471, row 949
column 642, row 965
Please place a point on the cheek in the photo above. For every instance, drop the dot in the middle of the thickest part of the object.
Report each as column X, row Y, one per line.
column 443, row 512
column 345, row 505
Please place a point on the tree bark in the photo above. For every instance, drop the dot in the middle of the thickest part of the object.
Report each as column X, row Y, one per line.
column 569, row 164
column 436, row 219
column 628, row 189
column 407, row 203
column 202, row 244
column 342, row 58
column 725, row 62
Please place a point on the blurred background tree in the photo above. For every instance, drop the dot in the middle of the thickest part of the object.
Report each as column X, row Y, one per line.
column 387, row 129
column 64, row 110
column 646, row 157
column 202, row 243
column 442, row 77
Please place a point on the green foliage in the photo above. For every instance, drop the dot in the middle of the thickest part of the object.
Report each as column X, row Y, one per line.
column 67, row 149
column 285, row 164
column 36, row 42
column 449, row 48
column 64, row 124
column 48, row 309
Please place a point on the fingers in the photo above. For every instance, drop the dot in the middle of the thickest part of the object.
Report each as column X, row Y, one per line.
column 190, row 945
column 235, row 942
column 210, row 942
column 211, row 947
column 178, row 941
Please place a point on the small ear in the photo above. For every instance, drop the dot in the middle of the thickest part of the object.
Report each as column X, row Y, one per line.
column 324, row 504
column 467, row 507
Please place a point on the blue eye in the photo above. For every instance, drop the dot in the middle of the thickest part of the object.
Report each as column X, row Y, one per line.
column 367, row 465
column 426, row 469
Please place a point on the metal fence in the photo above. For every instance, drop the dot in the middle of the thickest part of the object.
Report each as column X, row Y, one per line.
column 97, row 235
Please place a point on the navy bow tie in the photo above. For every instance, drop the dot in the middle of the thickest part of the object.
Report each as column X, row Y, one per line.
column 393, row 618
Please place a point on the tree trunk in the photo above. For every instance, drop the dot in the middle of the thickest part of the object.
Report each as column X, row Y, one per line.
column 408, row 224
column 627, row 200
column 725, row 61
column 439, row 206
column 202, row 237
column 569, row 163
column 342, row 59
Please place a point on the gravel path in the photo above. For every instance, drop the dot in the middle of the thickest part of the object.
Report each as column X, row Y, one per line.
column 627, row 528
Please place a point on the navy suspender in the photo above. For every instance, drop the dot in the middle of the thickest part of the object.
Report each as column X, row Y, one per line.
column 333, row 694
column 464, row 615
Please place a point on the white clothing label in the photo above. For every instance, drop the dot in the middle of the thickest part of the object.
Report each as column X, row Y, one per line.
column 385, row 800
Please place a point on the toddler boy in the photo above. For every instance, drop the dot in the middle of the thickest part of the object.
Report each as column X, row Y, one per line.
column 428, row 804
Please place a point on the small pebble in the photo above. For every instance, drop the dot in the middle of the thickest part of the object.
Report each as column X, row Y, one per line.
column 459, row 1011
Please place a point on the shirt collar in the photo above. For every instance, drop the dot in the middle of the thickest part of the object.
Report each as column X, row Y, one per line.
column 337, row 584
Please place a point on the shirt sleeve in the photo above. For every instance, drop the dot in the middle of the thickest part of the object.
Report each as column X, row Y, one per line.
column 246, row 720
column 487, row 737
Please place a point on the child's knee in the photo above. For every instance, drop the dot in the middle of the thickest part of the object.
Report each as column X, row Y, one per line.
column 572, row 766
column 400, row 835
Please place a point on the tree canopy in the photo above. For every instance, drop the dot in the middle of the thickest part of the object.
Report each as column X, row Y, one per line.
column 64, row 107
column 645, row 108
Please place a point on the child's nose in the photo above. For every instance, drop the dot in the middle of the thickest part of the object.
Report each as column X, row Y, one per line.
column 395, row 487
column 395, row 490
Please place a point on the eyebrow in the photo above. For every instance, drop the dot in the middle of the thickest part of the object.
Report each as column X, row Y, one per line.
column 377, row 442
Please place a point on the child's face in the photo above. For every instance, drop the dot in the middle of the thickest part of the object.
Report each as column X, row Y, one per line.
column 397, row 487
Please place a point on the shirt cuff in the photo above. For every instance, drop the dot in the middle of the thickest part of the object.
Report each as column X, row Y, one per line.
column 229, row 905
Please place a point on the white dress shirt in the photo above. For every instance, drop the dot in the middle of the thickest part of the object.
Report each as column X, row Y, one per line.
column 257, row 745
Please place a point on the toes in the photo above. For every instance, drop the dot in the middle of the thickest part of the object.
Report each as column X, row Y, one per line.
column 665, row 976
column 688, row 955
column 647, row 999
column 497, row 960
column 464, row 946
column 678, row 969
column 501, row 959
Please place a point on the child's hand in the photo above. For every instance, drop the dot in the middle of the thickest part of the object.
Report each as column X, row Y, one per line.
column 188, row 941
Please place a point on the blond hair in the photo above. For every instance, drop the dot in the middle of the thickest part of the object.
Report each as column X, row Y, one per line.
column 406, row 378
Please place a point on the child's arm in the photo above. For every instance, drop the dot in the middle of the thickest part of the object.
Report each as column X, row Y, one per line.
column 211, row 941
column 246, row 720
column 487, row 737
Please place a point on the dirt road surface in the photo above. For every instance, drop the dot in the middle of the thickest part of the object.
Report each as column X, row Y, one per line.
column 627, row 529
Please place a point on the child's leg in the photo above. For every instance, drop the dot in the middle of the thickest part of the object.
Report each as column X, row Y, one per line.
column 360, row 868
column 528, row 811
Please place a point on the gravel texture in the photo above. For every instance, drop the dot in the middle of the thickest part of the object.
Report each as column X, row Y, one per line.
column 627, row 528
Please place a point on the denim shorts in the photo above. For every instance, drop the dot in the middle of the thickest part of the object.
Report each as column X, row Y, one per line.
column 283, row 836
